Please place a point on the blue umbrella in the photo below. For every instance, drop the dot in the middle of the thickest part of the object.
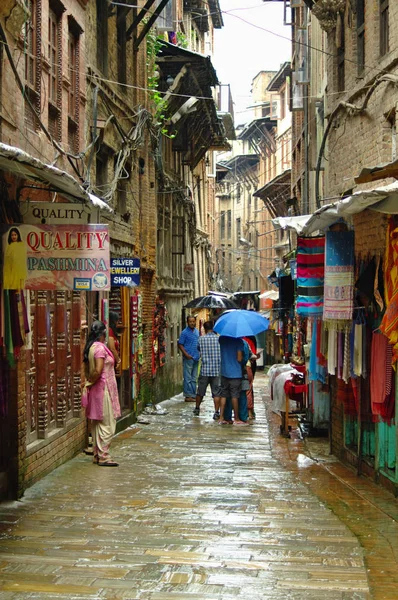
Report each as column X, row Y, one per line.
column 240, row 323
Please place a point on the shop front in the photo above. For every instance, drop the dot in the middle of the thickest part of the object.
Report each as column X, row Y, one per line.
column 55, row 258
column 346, row 301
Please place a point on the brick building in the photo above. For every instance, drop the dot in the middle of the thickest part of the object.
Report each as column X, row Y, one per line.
column 43, row 98
column 82, row 122
column 344, row 97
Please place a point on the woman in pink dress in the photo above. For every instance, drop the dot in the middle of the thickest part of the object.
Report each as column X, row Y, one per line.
column 100, row 397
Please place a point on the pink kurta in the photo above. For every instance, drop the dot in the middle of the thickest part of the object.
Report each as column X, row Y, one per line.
column 93, row 399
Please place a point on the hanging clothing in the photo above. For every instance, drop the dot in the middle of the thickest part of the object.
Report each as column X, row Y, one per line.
column 332, row 350
column 339, row 277
column 347, row 357
column 358, row 339
column 310, row 276
column 381, row 380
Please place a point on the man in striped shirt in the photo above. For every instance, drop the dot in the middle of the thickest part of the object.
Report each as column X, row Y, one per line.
column 210, row 355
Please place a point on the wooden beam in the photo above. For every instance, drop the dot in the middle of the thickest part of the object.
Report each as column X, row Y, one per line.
column 150, row 22
column 141, row 15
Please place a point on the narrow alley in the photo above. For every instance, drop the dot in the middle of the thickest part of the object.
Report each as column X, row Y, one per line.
column 194, row 511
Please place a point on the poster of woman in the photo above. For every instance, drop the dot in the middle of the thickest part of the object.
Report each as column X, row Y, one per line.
column 57, row 257
column 15, row 269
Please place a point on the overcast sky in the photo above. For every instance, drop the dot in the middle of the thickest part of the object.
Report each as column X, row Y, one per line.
column 243, row 48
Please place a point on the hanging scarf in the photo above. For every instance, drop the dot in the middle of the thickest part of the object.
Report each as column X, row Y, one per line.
column 339, row 278
column 310, row 276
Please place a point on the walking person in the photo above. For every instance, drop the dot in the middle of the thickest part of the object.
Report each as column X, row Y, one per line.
column 210, row 355
column 231, row 376
column 188, row 344
column 100, row 397
column 244, row 396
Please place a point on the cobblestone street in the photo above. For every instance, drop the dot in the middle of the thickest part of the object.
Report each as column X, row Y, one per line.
column 195, row 511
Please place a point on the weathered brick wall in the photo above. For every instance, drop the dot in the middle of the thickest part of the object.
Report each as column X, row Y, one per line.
column 49, row 456
column 361, row 140
column 370, row 233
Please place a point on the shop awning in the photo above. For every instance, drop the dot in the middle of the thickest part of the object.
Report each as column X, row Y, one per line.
column 14, row 160
column 270, row 295
column 382, row 199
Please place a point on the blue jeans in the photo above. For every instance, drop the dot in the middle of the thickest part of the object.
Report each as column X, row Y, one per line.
column 242, row 406
column 190, row 370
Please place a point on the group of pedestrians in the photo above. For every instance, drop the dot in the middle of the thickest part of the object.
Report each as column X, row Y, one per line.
column 226, row 364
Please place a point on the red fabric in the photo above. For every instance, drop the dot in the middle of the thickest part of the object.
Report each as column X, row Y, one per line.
column 251, row 344
column 345, row 395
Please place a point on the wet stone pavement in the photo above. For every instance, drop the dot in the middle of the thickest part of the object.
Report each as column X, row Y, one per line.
column 196, row 511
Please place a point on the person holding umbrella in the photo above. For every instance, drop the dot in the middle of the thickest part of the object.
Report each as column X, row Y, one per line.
column 231, row 376
column 232, row 326
column 188, row 345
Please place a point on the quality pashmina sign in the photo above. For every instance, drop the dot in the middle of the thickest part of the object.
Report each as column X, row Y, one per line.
column 59, row 257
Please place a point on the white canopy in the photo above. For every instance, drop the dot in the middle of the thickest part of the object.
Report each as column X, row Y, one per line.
column 271, row 295
column 382, row 199
column 21, row 163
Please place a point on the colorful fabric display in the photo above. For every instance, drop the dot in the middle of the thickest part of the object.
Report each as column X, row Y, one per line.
column 339, row 278
column 310, row 276
column 389, row 323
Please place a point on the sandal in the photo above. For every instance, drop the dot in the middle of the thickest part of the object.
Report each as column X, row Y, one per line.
column 95, row 460
column 108, row 463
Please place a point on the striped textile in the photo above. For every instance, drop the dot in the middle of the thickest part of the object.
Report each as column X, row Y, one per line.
column 339, row 276
column 310, row 276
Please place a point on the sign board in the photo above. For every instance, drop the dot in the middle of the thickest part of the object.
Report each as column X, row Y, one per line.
column 56, row 257
column 56, row 213
column 125, row 272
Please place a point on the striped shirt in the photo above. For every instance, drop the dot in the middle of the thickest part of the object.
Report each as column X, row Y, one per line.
column 210, row 354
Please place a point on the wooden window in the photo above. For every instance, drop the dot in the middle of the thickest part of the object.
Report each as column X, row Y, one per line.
column 361, row 35
column 30, row 45
column 229, row 224
column 121, row 47
column 384, row 27
column 102, row 36
column 53, row 56
column 178, row 239
column 74, row 32
column 238, row 231
column 32, row 64
column 54, row 50
column 341, row 61
column 222, row 225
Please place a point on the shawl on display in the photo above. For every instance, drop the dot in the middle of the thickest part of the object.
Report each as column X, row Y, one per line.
column 389, row 323
column 339, row 278
column 310, row 276
column 382, row 393
column 346, row 395
column 317, row 369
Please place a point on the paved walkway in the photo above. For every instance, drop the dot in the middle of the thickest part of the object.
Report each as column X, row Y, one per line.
column 195, row 512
